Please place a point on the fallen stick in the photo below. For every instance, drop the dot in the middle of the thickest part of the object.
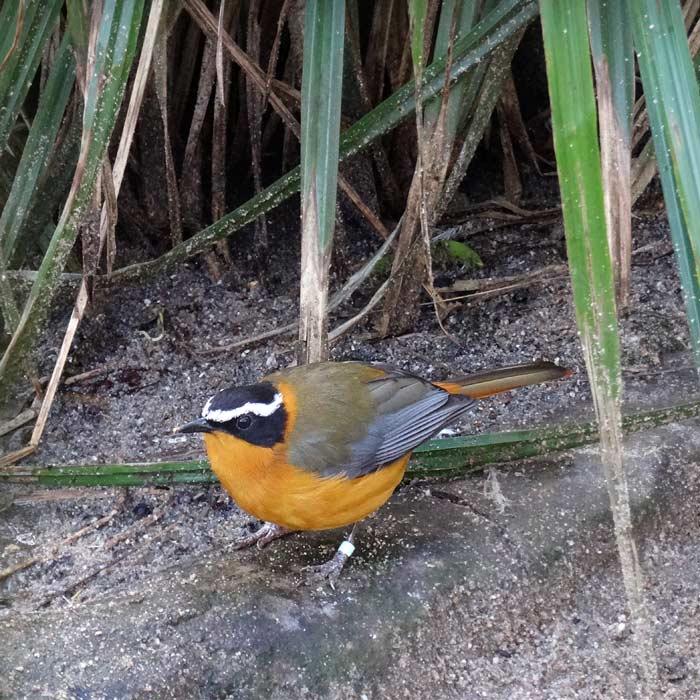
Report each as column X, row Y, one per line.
column 18, row 421
column 154, row 517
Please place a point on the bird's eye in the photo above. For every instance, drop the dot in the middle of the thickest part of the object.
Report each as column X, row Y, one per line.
column 243, row 422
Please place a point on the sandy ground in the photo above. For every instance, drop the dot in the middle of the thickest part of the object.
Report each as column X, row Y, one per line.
column 444, row 599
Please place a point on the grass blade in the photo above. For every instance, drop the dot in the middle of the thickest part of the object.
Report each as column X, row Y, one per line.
column 78, row 27
column 32, row 165
column 37, row 149
column 321, row 93
column 673, row 103
column 417, row 12
column 22, row 63
column 464, row 14
column 565, row 32
column 495, row 73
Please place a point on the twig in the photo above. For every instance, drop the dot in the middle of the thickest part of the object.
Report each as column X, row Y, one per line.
column 64, row 592
column 91, row 373
column 220, row 55
column 138, row 525
column 461, row 501
column 201, row 14
column 83, row 376
column 201, row 105
column 20, row 566
column 357, row 279
column 493, row 286
column 337, row 299
column 275, row 50
column 461, row 232
column 16, row 455
column 256, row 103
column 352, row 194
column 657, row 249
column 287, row 90
column 18, row 421
column 477, row 209
column 50, row 393
column 344, row 327
column 252, row 340
column 442, row 310
column 514, row 119
column 160, row 81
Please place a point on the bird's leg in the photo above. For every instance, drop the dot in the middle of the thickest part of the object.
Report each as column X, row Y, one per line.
column 330, row 571
column 262, row 536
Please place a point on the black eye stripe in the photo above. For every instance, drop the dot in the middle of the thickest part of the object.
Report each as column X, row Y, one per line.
column 252, row 427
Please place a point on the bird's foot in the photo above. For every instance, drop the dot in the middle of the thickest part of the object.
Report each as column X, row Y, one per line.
column 331, row 570
column 262, row 536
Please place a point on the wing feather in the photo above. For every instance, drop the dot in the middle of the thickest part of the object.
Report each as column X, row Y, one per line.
column 402, row 436
column 409, row 411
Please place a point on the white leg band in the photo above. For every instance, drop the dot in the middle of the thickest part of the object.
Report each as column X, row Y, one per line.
column 346, row 548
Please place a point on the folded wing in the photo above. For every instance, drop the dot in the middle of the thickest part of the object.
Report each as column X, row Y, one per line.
column 409, row 412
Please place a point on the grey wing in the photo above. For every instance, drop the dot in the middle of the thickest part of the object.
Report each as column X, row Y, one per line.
column 409, row 411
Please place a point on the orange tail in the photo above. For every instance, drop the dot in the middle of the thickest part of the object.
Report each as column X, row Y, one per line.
column 489, row 382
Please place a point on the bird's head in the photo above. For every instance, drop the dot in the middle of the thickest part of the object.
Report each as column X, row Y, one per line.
column 253, row 413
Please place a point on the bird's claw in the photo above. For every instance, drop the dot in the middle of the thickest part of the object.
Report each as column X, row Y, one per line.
column 262, row 536
column 328, row 572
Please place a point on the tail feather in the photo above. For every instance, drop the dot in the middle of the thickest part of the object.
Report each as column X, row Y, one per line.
column 489, row 382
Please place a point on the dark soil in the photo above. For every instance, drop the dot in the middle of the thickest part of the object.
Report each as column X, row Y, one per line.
column 152, row 341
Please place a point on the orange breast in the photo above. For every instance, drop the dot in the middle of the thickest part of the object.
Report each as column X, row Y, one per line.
column 264, row 485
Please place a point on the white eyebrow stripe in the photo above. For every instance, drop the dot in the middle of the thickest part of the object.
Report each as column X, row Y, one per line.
column 258, row 409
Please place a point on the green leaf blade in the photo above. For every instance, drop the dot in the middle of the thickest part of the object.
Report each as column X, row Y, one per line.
column 574, row 119
column 17, row 75
column 39, row 144
column 612, row 44
column 673, row 103
column 446, row 457
column 322, row 88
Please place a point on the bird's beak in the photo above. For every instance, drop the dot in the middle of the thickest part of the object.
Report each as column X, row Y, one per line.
column 201, row 425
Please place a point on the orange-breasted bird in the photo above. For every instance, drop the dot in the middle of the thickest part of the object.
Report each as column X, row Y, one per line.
column 322, row 446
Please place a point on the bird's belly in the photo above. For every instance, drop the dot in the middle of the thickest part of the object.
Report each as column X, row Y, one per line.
column 297, row 499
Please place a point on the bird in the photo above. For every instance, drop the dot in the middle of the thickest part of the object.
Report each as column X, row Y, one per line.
column 322, row 446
